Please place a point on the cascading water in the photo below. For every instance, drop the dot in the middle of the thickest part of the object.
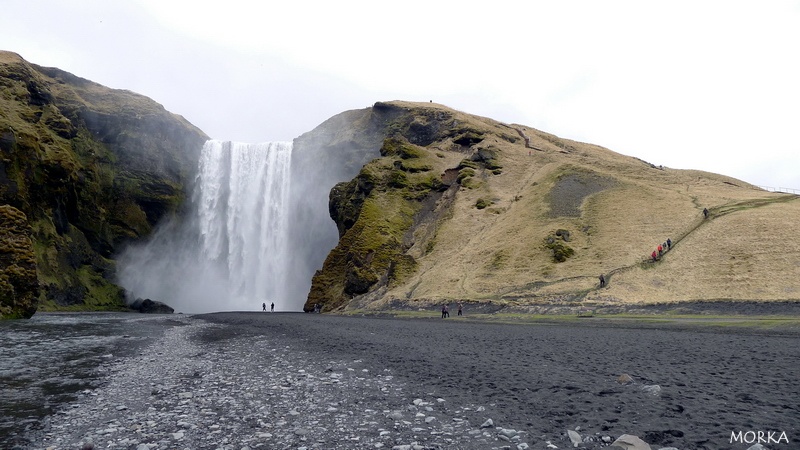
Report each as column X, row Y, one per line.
column 232, row 250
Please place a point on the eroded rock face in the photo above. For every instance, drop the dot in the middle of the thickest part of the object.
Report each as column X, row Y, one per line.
column 92, row 168
column 392, row 203
column 19, row 287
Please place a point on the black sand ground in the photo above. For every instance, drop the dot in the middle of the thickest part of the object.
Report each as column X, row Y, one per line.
column 546, row 379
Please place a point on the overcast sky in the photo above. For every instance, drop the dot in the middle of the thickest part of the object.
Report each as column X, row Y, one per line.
column 710, row 85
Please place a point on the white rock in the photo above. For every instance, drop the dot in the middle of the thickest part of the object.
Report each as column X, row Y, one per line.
column 575, row 438
column 652, row 389
column 488, row 424
column 395, row 415
column 507, row 432
column 630, row 442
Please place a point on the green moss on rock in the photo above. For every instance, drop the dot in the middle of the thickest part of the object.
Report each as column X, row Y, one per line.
column 373, row 212
column 19, row 285
column 92, row 168
column 561, row 251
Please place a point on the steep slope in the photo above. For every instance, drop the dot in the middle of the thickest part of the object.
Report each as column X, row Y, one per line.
column 464, row 208
column 91, row 168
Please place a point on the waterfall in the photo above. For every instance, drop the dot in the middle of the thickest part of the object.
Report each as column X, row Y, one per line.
column 232, row 251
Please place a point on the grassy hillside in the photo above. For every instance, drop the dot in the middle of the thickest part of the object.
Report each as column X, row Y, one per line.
column 497, row 235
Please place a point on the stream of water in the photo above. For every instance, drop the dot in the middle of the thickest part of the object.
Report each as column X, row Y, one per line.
column 53, row 358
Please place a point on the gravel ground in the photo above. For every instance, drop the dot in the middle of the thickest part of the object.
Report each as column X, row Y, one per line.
column 261, row 380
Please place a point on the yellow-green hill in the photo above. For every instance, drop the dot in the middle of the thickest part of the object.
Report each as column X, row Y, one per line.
column 465, row 208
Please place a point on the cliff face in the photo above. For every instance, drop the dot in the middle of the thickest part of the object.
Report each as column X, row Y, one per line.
column 387, row 216
column 92, row 168
column 19, row 287
column 456, row 207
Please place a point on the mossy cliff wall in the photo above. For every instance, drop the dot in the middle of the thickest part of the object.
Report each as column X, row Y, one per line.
column 386, row 214
column 92, row 168
column 19, row 287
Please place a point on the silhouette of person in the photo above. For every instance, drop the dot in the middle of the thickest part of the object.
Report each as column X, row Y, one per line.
column 272, row 307
column 602, row 280
column 705, row 213
column 460, row 308
column 263, row 306
column 669, row 243
column 444, row 311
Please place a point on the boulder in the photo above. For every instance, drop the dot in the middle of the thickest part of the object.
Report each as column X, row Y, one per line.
column 624, row 379
column 652, row 389
column 630, row 442
column 575, row 438
column 151, row 307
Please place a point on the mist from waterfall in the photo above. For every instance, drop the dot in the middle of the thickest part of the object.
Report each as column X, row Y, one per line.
column 232, row 250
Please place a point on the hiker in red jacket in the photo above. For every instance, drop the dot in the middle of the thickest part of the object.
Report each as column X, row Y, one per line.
column 660, row 250
column 655, row 256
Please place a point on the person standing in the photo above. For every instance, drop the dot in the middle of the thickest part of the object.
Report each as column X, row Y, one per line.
column 272, row 307
column 263, row 306
column 444, row 311
column 602, row 280
column 460, row 308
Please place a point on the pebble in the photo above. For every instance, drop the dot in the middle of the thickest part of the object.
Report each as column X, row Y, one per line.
column 256, row 394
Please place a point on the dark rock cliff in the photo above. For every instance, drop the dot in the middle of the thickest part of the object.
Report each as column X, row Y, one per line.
column 92, row 168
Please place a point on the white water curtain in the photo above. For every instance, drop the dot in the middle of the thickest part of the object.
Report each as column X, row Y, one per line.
column 232, row 252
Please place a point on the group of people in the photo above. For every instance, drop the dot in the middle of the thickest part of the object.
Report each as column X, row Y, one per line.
column 271, row 307
column 446, row 310
column 661, row 249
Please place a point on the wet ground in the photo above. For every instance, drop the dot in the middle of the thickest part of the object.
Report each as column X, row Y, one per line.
column 47, row 361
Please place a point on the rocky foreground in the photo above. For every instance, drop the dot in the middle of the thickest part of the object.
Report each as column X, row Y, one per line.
column 294, row 381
